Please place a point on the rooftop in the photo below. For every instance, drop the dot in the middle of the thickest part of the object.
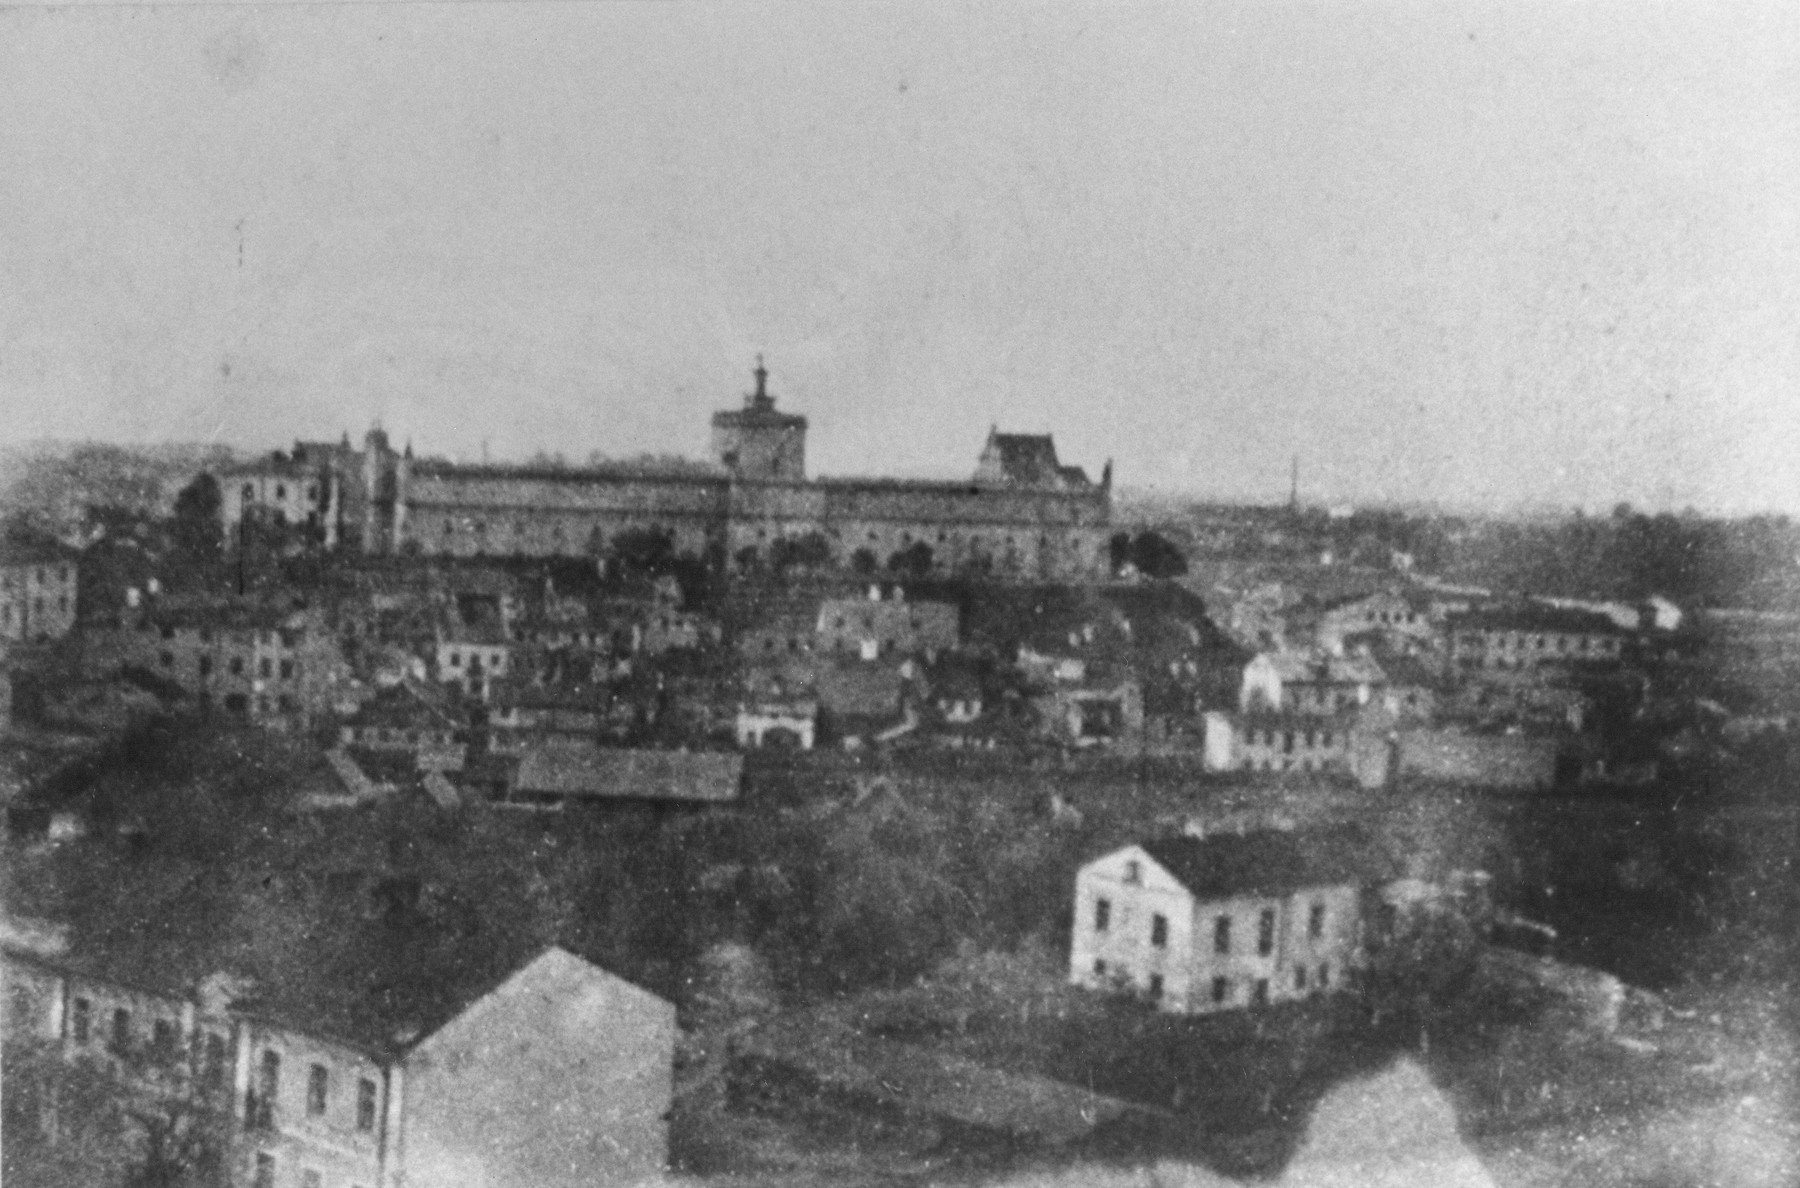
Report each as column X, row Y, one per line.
column 1270, row 862
column 602, row 773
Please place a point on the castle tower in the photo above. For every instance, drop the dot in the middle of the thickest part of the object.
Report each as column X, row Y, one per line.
column 758, row 443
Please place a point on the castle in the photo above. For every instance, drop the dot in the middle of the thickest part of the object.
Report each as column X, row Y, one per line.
column 1022, row 515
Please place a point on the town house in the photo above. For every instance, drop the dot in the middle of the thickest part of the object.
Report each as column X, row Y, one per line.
column 37, row 591
column 560, row 1075
column 1203, row 924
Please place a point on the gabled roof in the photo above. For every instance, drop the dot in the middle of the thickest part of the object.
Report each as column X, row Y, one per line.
column 29, row 549
column 1270, row 862
column 1027, row 460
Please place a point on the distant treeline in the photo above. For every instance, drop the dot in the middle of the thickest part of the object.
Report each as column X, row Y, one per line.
column 57, row 484
column 1694, row 560
column 1751, row 562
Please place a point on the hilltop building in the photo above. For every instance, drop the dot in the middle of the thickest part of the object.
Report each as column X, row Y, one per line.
column 1022, row 515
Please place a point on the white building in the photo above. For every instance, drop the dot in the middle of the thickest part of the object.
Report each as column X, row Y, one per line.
column 1197, row 925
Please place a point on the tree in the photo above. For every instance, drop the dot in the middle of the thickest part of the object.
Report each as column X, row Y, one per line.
column 1118, row 548
column 914, row 560
column 863, row 561
column 143, row 1118
column 1156, row 556
column 645, row 550
column 1419, row 961
column 810, row 550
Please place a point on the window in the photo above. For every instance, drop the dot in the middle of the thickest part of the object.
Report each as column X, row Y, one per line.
column 1325, row 976
column 318, row 1085
column 1299, row 977
column 1315, row 921
column 166, row 659
column 1134, row 872
column 81, row 1021
column 1102, row 914
column 237, row 666
column 264, row 667
column 206, row 666
column 265, row 1171
column 162, row 1037
column 268, row 1086
column 1159, row 931
column 1222, row 934
column 1265, row 932
column 1099, row 967
column 121, row 1029
column 1261, row 996
column 1221, row 990
column 1156, row 987
column 287, row 670
column 249, row 491
column 281, row 490
column 455, row 659
column 213, row 1066
column 365, row 1104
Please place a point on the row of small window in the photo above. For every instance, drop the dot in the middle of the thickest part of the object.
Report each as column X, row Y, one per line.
column 37, row 608
column 1290, row 738
column 259, row 1112
column 163, row 1034
column 494, row 660
column 63, row 573
column 1537, row 643
column 265, row 1171
column 1224, row 988
column 287, row 670
column 285, row 637
column 249, row 493
column 238, row 703
column 1265, row 926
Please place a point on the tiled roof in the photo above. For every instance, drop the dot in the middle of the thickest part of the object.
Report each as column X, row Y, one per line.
column 1271, row 862
column 603, row 773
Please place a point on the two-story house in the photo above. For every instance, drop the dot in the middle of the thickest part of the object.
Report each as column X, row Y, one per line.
column 1202, row 924
column 558, row 1075
column 1532, row 638
column 37, row 590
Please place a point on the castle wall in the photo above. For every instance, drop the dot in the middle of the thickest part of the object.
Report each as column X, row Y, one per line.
column 490, row 511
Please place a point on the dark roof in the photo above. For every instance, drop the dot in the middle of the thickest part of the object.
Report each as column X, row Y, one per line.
column 23, row 549
column 1536, row 618
column 603, row 773
column 1028, row 458
column 1271, row 862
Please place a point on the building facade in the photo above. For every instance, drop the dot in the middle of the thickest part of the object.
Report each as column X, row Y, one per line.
column 1198, row 925
column 559, row 1076
column 1023, row 515
column 37, row 591
column 1532, row 638
column 262, row 664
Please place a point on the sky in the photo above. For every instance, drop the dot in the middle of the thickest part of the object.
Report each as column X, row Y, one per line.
column 1507, row 253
